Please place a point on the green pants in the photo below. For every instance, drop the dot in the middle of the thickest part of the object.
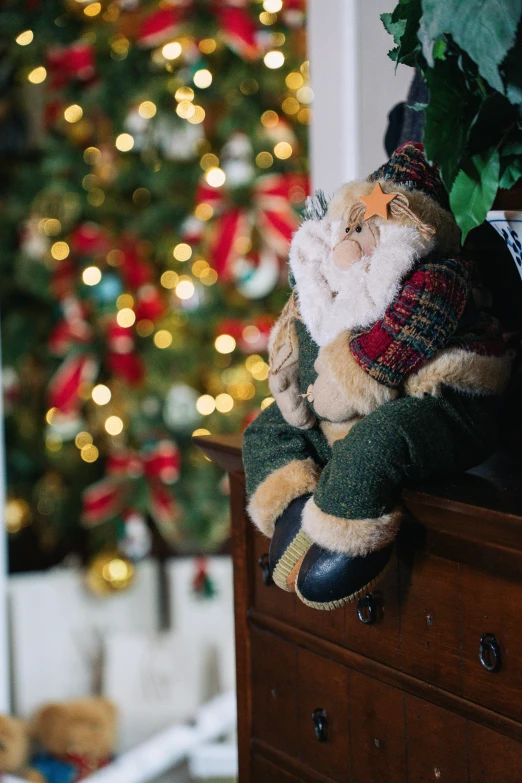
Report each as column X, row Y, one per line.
column 407, row 439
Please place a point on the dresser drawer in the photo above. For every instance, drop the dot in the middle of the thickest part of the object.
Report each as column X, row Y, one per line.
column 264, row 771
column 491, row 613
column 268, row 598
column 323, row 702
column 437, row 743
column 373, row 622
column 274, row 692
column 493, row 758
column 430, row 622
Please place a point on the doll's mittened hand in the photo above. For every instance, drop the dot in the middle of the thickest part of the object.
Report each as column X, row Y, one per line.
column 328, row 401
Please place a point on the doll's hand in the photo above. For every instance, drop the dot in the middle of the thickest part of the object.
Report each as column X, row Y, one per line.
column 327, row 397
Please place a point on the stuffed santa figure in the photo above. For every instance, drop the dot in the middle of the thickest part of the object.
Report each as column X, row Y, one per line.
column 382, row 369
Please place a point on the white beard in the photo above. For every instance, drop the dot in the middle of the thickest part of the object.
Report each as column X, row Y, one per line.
column 332, row 300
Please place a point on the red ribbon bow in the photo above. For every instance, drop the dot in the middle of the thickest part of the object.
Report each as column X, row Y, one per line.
column 271, row 213
column 238, row 28
column 128, row 471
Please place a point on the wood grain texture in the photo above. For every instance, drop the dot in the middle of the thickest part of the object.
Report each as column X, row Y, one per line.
column 493, row 758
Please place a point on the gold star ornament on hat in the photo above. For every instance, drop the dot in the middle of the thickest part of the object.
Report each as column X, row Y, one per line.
column 377, row 202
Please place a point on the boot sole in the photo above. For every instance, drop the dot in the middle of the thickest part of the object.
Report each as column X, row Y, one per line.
column 294, row 552
column 350, row 599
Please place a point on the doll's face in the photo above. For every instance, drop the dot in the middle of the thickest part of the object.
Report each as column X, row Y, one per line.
column 354, row 243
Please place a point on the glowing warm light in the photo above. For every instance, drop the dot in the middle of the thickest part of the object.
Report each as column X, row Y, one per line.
column 114, row 425
column 17, row 514
column 290, row 106
column 215, row 177
column 209, row 277
column 124, row 300
column 83, row 439
column 93, row 9
column 260, row 370
column 264, row 160
column 24, row 38
column 169, row 279
column 37, row 75
column 272, row 6
column 198, row 116
column 184, row 94
column 49, row 416
column 203, row 212
column 269, row 119
column 243, row 245
column 283, row 150
column 89, row 453
column 185, row 289
column 73, row 113
column 225, row 343
column 251, row 334
column 171, row 50
column 274, row 59
column 124, row 142
column 147, row 110
column 117, row 570
column 182, row 252
column 53, row 442
column 202, row 78
column 224, row 403
column 92, row 156
column 60, row 250
column 305, row 116
column 52, row 227
column 199, row 267
column 185, row 109
column 266, row 402
column 96, row 197
column 305, row 94
column 200, row 431
column 208, row 161
column 115, row 258
column 126, row 317
column 101, row 394
column 207, row 46
column 162, row 339
column 294, row 80
column 206, row 405
column 252, row 360
column 265, row 17
column 91, row 275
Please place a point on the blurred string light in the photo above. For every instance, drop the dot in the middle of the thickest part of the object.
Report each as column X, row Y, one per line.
column 182, row 252
column 126, row 317
column 147, row 110
column 52, row 227
column 37, row 75
column 200, row 431
column 272, row 6
column 83, row 439
column 92, row 156
column 169, row 279
column 91, row 275
column 294, row 80
column 215, row 177
column 208, row 161
column 269, row 118
column 162, row 339
column 113, row 425
column 185, row 288
column 124, row 300
column 283, row 150
column 73, row 113
column 264, row 160
column 224, row 403
column 25, row 38
column 172, row 50
column 89, row 453
column 267, row 18
column 101, row 394
column 205, row 405
column 274, row 59
column 185, row 109
column 266, row 402
column 207, row 46
column 60, row 251
column 202, row 78
column 204, row 212
column 225, row 343
column 93, row 9
column 124, row 142
column 209, row 277
column 198, row 116
column 184, row 94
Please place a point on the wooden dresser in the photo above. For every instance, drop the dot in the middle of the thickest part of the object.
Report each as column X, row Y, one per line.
column 422, row 680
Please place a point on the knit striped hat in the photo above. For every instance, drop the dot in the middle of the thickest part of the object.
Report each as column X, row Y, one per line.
column 408, row 166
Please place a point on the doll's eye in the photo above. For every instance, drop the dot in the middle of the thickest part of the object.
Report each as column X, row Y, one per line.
column 358, row 229
column 347, row 230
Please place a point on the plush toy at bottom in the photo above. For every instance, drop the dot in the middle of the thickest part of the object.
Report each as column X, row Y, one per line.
column 382, row 369
column 77, row 738
column 14, row 749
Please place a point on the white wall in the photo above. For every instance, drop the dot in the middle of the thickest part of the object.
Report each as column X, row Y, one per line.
column 355, row 86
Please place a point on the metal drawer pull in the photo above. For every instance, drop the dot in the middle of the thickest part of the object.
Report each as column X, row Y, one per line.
column 320, row 724
column 489, row 652
column 265, row 568
column 366, row 609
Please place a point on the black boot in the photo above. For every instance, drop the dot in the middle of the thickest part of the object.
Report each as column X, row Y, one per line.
column 288, row 545
column 329, row 580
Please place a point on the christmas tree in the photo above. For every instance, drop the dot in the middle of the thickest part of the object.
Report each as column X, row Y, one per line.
column 154, row 158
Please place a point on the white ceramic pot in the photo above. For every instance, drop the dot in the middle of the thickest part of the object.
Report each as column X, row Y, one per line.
column 508, row 223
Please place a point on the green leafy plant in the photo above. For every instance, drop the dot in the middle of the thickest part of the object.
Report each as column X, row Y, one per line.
column 470, row 54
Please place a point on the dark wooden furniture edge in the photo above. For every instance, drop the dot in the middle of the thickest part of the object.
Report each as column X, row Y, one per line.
column 281, row 759
column 387, row 674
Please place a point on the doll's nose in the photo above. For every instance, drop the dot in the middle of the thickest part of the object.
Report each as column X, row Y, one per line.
column 346, row 253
